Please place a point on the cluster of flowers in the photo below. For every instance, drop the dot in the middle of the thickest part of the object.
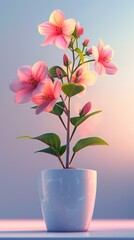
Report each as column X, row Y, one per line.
column 44, row 86
column 35, row 83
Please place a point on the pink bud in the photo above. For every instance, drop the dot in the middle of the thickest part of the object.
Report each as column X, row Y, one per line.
column 65, row 60
column 79, row 72
column 86, row 41
column 85, row 109
column 59, row 73
column 79, row 30
column 89, row 51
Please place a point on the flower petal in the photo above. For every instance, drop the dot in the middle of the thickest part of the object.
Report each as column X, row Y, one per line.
column 57, row 18
column 38, row 99
column 50, row 39
column 89, row 78
column 48, row 88
column 62, row 41
column 23, row 96
column 68, row 26
column 95, row 53
column 46, row 28
column 99, row 68
column 46, row 106
column 24, row 72
column 100, row 46
column 39, row 70
column 107, row 53
column 57, row 89
column 18, row 85
column 111, row 68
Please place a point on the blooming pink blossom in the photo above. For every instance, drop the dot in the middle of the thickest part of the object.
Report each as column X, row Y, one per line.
column 47, row 96
column 79, row 30
column 58, row 30
column 103, row 55
column 85, row 109
column 28, row 80
column 84, row 76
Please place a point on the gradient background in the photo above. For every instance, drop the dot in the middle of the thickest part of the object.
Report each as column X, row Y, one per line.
column 113, row 21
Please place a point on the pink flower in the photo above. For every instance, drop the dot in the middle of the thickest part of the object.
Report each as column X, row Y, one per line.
column 47, row 96
column 84, row 76
column 85, row 109
column 58, row 30
column 103, row 55
column 28, row 80
column 79, row 30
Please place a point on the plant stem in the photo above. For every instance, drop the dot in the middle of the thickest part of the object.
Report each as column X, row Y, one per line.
column 72, row 158
column 64, row 104
column 58, row 156
column 72, row 65
column 62, row 122
column 92, row 60
column 68, row 135
column 67, row 73
column 72, row 133
column 60, row 160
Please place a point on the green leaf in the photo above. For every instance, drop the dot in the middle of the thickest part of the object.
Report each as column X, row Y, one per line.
column 52, row 71
column 85, row 142
column 71, row 89
column 49, row 150
column 23, row 137
column 80, row 53
column 51, row 139
column 76, row 121
column 57, row 110
column 74, row 33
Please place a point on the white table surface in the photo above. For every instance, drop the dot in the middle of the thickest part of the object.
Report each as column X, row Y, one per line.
column 36, row 229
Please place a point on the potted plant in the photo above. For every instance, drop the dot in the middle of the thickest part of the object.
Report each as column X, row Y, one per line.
column 67, row 194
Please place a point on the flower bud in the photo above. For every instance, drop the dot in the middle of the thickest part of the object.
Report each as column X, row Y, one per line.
column 89, row 51
column 79, row 30
column 79, row 72
column 85, row 43
column 85, row 109
column 65, row 60
column 59, row 73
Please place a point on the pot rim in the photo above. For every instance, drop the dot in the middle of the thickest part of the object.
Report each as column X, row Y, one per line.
column 68, row 169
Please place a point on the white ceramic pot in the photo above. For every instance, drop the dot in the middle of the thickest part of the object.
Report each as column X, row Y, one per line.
column 67, row 198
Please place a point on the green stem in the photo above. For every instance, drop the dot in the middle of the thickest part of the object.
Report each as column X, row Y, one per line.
column 68, row 135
